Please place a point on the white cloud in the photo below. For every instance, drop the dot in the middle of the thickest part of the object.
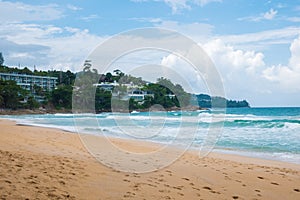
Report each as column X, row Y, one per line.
column 20, row 12
column 294, row 61
column 181, row 72
column 257, row 41
column 230, row 59
column 21, row 55
column 170, row 60
column 238, row 69
column 90, row 17
column 46, row 45
column 281, row 5
column 204, row 2
column 178, row 5
column 74, row 8
column 263, row 39
column 246, row 75
column 287, row 77
column 197, row 31
column 293, row 19
column 284, row 77
column 269, row 15
column 146, row 19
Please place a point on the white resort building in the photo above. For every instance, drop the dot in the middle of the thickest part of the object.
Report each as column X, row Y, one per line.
column 27, row 82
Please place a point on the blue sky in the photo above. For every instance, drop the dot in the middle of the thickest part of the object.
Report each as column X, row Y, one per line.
column 255, row 45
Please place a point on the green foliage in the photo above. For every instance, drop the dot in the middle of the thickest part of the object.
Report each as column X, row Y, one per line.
column 108, row 77
column 167, row 94
column 31, row 103
column 133, row 105
column 1, row 59
column 1, row 101
column 11, row 94
column 237, row 104
column 26, row 71
column 38, row 90
column 5, row 69
column 164, row 92
column 84, row 92
column 65, row 78
column 127, row 79
column 148, row 102
column 119, row 105
column 62, row 97
column 206, row 101
column 102, row 100
column 119, row 74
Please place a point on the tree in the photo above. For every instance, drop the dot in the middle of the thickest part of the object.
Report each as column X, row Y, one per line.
column 32, row 103
column 102, row 100
column 133, row 105
column 11, row 94
column 1, row 102
column 38, row 90
column 26, row 71
column 148, row 102
column 1, row 59
column 119, row 74
column 108, row 77
column 62, row 97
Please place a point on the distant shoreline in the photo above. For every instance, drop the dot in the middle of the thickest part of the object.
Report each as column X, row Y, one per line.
column 69, row 111
column 36, row 111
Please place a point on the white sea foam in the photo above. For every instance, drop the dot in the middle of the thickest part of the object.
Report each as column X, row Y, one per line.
column 291, row 126
column 279, row 156
column 275, row 135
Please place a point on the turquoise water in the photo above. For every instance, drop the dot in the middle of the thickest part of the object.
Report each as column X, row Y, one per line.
column 271, row 133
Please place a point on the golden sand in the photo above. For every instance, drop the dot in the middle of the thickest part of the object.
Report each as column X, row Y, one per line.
column 41, row 163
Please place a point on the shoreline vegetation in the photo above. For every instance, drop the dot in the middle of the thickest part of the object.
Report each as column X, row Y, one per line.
column 44, row 163
column 124, row 92
column 68, row 111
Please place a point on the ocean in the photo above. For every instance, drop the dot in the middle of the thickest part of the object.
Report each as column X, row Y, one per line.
column 268, row 133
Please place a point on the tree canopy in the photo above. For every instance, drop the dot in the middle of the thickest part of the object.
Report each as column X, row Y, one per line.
column 1, row 59
column 163, row 92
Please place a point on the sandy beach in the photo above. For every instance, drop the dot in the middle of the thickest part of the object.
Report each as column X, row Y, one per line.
column 42, row 163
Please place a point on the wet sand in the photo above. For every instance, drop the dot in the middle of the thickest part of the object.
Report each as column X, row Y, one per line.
column 42, row 163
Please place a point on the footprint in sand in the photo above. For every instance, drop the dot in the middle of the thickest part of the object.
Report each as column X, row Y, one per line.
column 196, row 188
column 181, row 194
column 207, row 188
column 274, row 183
column 296, row 190
column 136, row 187
column 178, row 187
